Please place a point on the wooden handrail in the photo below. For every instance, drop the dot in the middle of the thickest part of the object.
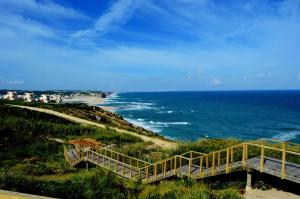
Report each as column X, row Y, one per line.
column 212, row 160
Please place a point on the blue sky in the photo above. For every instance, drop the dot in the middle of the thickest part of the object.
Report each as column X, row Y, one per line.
column 149, row 45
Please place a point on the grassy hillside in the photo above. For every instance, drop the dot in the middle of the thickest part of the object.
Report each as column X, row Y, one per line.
column 32, row 163
column 92, row 113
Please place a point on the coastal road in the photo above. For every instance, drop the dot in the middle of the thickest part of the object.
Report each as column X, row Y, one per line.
column 166, row 144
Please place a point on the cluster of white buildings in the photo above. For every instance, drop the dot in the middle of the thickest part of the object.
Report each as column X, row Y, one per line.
column 29, row 97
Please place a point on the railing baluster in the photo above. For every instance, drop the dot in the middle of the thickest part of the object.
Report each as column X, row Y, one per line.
column 283, row 166
column 244, row 156
column 190, row 166
column 147, row 173
column 201, row 164
column 175, row 162
column 180, row 161
column 130, row 168
column 213, row 165
column 165, row 168
column 227, row 160
column 262, row 153
column 219, row 158
column 207, row 163
column 155, row 171
column 231, row 151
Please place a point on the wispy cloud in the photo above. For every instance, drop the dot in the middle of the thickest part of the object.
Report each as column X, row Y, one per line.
column 216, row 81
column 298, row 76
column 263, row 75
column 117, row 14
column 18, row 24
column 46, row 8
column 12, row 82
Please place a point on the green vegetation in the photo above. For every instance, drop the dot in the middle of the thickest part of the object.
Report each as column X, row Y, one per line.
column 186, row 189
column 92, row 113
column 33, row 163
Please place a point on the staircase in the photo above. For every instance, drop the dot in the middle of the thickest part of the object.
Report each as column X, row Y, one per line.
column 266, row 156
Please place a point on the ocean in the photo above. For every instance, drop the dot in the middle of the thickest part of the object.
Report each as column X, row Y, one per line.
column 214, row 114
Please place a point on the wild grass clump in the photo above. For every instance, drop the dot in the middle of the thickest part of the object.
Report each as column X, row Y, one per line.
column 204, row 145
column 93, row 184
column 185, row 189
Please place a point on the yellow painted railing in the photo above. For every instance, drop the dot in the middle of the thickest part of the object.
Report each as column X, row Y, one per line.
column 195, row 164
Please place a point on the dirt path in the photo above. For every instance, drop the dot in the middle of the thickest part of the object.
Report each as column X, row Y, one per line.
column 270, row 194
column 157, row 141
column 17, row 195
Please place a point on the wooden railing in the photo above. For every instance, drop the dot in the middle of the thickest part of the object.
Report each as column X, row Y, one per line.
column 199, row 165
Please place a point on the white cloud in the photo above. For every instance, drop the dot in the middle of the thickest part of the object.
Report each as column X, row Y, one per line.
column 12, row 82
column 258, row 76
column 46, row 8
column 118, row 14
column 19, row 25
column 195, row 75
column 215, row 81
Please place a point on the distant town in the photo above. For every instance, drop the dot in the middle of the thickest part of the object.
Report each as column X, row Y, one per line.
column 49, row 97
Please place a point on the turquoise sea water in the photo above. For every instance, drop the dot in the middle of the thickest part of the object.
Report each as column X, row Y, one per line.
column 194, row 115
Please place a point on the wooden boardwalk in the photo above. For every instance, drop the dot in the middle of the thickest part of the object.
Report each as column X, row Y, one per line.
column 276, row 160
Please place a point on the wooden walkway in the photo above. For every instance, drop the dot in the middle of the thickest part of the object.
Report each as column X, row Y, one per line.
column 274, row 159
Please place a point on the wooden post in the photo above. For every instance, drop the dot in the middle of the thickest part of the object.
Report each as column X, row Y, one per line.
column 227, row 160
column 123, row 170
column 219, row 158
column 207, row 164
column 180, row 161
column 147, row 173
column 201, row 164
column 231, row 150
column 130, row 168
column 171, row 164
column 247, row 153
column 165, row 168
column 249, row 183
column 244, row 156
column 283, row 166
column 213, row 165
column 190, row 166
column 155, row 171
column 262, row 153
column 175, row 165
column 117, row 166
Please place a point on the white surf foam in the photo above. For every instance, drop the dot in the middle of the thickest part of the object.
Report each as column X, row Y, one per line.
column 131, row 106
column 287, row 136
column 140, row 122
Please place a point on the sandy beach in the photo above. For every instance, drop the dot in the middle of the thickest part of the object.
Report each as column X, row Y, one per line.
column 90, row 100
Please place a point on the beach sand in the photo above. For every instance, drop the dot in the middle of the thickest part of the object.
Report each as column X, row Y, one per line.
column 270, row 194
column 91, row 101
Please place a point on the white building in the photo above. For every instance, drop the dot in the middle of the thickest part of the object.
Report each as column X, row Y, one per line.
column 28, row 97
column 10, row 95
column 56, row 98
column 45, row 98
